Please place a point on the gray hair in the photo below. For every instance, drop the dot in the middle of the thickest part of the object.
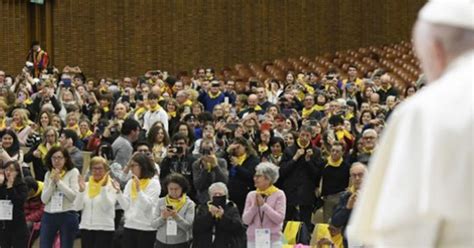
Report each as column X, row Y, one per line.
column 368, row 131
column 359, row 164
column 268, row 170
column 220, row 185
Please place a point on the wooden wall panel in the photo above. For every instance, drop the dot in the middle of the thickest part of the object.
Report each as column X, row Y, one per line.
column 14, row 39
column 128, row 37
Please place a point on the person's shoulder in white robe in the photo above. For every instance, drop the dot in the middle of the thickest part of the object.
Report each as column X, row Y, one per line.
column 419, row 192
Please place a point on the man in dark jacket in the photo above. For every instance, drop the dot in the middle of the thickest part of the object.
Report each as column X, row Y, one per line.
column 179, row 160
column 299, row 172
column 335, row 179
column 342, row 212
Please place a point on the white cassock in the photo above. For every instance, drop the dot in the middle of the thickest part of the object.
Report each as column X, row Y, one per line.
column 419, row 192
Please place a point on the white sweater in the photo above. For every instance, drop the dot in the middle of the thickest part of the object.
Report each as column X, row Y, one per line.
column 139, row 212
column 68, row 185
column 98, row 213
column 151, row 117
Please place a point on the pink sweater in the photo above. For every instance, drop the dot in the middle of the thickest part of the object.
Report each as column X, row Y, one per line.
column 273, row 213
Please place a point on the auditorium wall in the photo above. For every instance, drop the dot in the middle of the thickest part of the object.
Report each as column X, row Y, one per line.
column 128, row 37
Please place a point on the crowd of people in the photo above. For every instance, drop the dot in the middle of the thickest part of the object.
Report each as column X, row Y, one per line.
column 184, row 160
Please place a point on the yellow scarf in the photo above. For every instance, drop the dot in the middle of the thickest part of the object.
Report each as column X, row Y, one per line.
column 351, row 189
column 95, row 187
column 176, row 203
column 277, row 156
column 334, row 163
column 385, row 90
column 300, row 145
column 364, row 150
column 63, row 172
column 39, row 190
column 241, row 159
column 308, row 88
column 74, row 128
column 214, row 96
column 343, row 133
column 3, row 123
column 155, row 108
column 305, row 113
column 268, row 192
column 103, row 90
column 140, row 111
column 106, row 109
column 188, row 103
column 258, row 108
column 319, row 107
column 28, row 101
column 143, row 184
column 171, row 114
column 44, row 149
column 16, row 128
column 87, row 134
column 349, row 116
column 322, row 231
column 262, row 148
column 209, row 206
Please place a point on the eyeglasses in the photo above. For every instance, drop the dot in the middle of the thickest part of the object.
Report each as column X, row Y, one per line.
column 97, row 168
column 57, row 158
column 355, row 175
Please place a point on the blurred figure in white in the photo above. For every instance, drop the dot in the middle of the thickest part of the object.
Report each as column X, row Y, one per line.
column 420, row 189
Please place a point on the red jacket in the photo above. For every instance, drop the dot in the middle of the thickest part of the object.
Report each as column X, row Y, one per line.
column 34, row 209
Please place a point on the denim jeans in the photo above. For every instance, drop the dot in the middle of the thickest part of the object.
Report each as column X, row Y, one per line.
column 66, row 223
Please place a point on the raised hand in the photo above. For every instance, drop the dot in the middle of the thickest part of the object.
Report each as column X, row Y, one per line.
column 82, row 183
column 136, row 182
column 116, row 186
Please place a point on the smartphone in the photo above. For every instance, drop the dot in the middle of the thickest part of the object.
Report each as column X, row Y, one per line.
column 169, row 207
column 219, row 201
column 67, row 82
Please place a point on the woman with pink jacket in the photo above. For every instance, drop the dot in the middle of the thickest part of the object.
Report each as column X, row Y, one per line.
column 265, row 208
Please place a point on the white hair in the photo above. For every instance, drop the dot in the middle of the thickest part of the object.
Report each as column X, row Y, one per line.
column 217, row 185
column 268, row 170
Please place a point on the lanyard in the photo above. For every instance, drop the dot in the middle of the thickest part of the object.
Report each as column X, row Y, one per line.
column 261, row 214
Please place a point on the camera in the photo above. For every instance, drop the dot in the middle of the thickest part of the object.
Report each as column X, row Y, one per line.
column 169, row 207
column 176, row 149
column 206, row 151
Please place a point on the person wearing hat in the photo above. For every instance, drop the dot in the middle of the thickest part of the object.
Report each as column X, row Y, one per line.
column 420, row 190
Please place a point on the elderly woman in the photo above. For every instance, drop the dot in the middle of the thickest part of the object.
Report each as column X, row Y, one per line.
column 37, row 154
column 217, row 222
column 174, row 214
column 96, row 200
column 265, row 208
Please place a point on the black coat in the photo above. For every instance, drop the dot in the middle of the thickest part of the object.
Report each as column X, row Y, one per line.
column 17, row 195
column 229, row 230
column 38, row 166
column 241, row 180
column 183, row 166
column 341, row 214
column 299, row 179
